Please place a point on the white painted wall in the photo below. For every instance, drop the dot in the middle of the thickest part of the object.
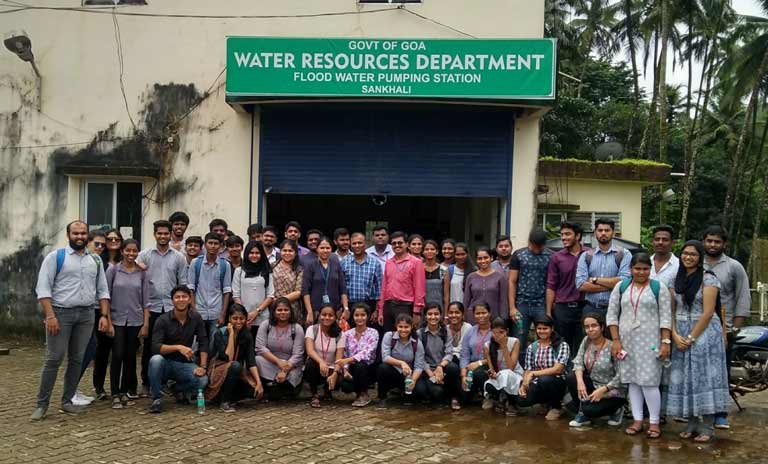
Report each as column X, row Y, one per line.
column 77, row 56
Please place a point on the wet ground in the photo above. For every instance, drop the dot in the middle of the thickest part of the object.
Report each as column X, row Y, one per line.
column 293, row 432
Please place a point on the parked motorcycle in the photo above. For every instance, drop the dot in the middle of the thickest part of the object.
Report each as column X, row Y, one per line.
column 749, row 362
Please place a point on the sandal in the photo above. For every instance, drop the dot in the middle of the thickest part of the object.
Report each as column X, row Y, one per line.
column 634, row 429
column 653, row 434
column 315, row 402
column 455, row 405
column 704, row 439
column 686, row 435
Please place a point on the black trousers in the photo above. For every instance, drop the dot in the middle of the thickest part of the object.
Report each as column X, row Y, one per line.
column 101, row 360
column 363, row 375
column 479, row 376
column 234, row 388
column 122, row 372
column 388, row 378
column 313, row 376
column 146, row 349
column 568, row 324
column 450, row 388
column 392, row 309
column 547, row 389
column 604, row 407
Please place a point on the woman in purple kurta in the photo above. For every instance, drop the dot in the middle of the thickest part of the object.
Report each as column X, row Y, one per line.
column 486, row 285
column 280, row 346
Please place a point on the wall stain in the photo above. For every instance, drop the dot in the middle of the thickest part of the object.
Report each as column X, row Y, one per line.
column 151, row 151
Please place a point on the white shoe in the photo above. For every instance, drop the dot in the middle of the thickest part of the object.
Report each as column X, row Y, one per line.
column 81, row 400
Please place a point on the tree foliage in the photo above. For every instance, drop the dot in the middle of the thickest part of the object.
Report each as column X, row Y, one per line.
column 712, row 129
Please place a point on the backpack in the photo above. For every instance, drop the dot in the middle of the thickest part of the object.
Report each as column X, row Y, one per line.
column 61, row 254
column 443, row 336
column 293, row 331
column 619, row 256
column 414, row 344
column 198, row 264
column 655, row 287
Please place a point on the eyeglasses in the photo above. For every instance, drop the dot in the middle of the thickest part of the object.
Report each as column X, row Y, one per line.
column 98, row 245
column 398, row 243
column 114, row 239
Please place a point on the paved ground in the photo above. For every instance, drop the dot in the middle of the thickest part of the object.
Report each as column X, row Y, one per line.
column 293, row 432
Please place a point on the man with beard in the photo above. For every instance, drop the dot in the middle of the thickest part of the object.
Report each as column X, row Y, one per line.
column 665, row 263
column 601, row 268
column 503, row 254
column 563, row 299
column 70, row 280
column 734, row 291
column 293, row 232
column 313, row 239
column 269, row 239
column 179, row 223
column 341, row 240
column 166, row 269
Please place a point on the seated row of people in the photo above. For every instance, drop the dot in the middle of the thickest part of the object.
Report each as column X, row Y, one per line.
column 449, row 362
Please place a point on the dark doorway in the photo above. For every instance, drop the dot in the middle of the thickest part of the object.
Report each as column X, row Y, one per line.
column 433, row 217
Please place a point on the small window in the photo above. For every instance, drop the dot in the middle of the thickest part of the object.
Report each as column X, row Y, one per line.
column 587, row 219
column 549, row 219
column 114, row 205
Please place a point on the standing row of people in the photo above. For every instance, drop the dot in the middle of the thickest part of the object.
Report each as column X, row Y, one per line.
column 320, row 290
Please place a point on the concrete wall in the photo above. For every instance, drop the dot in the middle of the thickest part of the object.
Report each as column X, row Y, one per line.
column 169, row 75
column 600, row 196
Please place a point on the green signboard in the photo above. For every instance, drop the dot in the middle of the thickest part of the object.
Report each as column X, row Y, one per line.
column 504, row 69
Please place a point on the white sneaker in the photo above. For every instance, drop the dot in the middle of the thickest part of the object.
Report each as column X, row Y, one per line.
column 81, row 400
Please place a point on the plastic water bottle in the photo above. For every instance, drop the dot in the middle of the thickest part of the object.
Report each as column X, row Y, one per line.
column 519, row 325
column 666, row 362
column 408, row 383
column 470, row 374
column 200, row 402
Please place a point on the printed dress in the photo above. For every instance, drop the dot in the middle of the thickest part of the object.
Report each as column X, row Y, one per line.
column 507, row 379
column 698, row 381
column 639, row 331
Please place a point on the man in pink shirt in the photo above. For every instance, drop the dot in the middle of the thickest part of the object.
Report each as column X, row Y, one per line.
column 403, row 286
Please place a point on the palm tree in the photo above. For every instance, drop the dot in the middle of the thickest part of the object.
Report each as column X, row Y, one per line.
column 750, row 66
column 593, row 21
column 627, row 32
column 713, row 39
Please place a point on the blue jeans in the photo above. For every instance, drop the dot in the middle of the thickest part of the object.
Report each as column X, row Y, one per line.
column 75, row 328
column 161, row 370
column 528, row 314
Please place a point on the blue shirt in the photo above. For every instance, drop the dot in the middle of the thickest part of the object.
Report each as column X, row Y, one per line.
column 472, row 346
column 363, row 279
column 209, row 294
column 531, row 277
column 165, row 271
column 80, row 282
column 603, row 265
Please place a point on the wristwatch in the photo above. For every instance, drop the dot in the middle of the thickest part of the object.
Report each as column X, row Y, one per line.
column 691, row 338
column 666, row 341
column 594, row 280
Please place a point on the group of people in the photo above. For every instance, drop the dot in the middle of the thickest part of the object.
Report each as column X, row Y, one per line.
column 234, row 320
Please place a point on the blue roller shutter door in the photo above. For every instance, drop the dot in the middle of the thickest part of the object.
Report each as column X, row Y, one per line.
column 403, row 151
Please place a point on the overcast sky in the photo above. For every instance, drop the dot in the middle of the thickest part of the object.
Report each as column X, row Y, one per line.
column 680, row 74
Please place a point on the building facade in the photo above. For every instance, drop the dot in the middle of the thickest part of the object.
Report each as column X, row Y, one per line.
column 142, row 110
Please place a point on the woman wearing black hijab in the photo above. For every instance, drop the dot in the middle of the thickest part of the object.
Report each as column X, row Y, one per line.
column 252, row 285
column 698, row 384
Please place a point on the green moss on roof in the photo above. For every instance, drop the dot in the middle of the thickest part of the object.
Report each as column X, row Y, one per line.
column 621, row 162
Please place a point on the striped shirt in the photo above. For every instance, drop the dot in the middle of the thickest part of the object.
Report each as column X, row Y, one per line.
column 363, row 279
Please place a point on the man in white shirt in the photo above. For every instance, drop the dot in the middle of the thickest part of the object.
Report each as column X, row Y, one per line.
column 665, row 263
column 381, row 249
